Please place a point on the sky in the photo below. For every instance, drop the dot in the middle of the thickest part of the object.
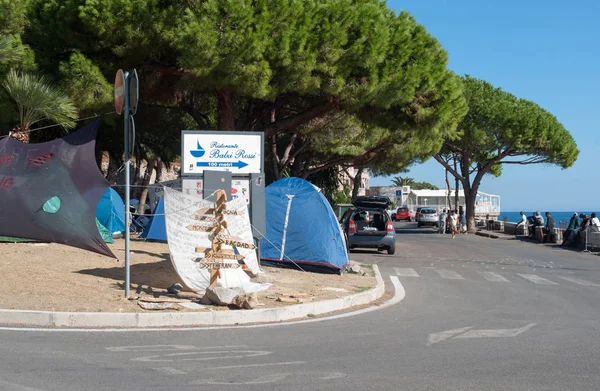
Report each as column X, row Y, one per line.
column 544, row 51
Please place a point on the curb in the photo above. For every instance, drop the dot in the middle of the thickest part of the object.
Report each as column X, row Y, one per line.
column 487, row 235
column 187, row 319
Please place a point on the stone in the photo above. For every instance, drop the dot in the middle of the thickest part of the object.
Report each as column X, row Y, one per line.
column 175, row 288
column 223, row 296
column 204, row 300
column 354, row 269
column 247, row 301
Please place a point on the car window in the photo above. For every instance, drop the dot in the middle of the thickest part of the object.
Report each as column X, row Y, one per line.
column 402, row 209
column 346, row 215
column 428, row 211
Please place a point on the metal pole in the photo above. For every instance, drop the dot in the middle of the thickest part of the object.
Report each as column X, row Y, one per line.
column 127, row 182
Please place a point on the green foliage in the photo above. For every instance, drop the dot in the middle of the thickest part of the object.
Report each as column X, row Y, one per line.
column 36, row 100
column 423, row 186
column 402, row 181
column 500, row 129
column 84, row 82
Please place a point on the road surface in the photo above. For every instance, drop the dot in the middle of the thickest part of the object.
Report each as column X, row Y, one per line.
column 479, row 314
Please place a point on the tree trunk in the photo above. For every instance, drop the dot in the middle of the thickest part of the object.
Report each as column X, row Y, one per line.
column 114, row 163
column 470, row 198
column 145, row 184
column 159, row 170
column 21, row 133
column 448, row 200
column 225, row 110
column 456, row 183
column 357, row 182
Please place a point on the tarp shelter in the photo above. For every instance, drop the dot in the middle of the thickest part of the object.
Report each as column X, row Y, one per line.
column 302, row 228
column 49, row 191
column 156, row 227
column 111, row 211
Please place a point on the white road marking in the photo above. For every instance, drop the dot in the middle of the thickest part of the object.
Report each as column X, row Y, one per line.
column 495, row 277
column 269, row 364
column 159, row 348
column 499, row 333
column 406, row 272
column 449, row 274
column 170, row 371
column 536, row 279
column 439, row 337
column 579, row 281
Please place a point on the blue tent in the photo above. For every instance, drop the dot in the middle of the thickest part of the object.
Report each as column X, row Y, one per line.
column 301, row 228
column 156, row 228
column 110, row 212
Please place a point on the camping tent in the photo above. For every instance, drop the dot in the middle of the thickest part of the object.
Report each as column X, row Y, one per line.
column 156, row 228
column 111, row 211
column 302, row 228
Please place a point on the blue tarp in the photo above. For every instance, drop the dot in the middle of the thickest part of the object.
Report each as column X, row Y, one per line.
column 111, row 211
column 301, row 222
column 156, row 228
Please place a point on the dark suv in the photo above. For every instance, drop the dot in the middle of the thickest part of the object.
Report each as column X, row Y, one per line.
column 367, row 224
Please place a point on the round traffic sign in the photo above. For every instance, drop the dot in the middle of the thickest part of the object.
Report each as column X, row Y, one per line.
column 119, row 91
column 134, row 95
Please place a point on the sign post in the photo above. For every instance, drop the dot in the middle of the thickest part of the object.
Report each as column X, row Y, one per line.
column 124, row 98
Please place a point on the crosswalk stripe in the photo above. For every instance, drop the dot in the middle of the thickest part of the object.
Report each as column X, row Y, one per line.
column 406, row 272
column 449, row 274
column 495, row 277
column 578, row 281
column 536, row 279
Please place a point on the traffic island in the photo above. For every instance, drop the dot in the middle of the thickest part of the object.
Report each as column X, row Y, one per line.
column 50, row 285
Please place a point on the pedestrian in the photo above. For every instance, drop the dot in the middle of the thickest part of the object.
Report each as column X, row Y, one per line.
column 442, row 221
column 523, row 222
column 453, row 223
column 595, row 223
column 568, row 235
column 549, row 229
column 463, row 224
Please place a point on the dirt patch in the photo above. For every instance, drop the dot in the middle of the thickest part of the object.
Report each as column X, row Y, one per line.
column 53, row 277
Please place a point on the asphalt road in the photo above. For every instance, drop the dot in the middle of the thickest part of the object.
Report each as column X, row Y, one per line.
column 479, row 314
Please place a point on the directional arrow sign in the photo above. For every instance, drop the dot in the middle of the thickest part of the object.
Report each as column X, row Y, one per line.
column 235, row 243
column 239, row 164
column 218, row 265
column 467, row 332
column 221, row 255
column 200, row 228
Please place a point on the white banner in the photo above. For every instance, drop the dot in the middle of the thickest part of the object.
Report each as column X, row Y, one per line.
column 180, row 210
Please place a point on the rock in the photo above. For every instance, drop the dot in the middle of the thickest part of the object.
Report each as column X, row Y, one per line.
column 223, row 296
column 247, row 301
column 354, row 269
column 204, row 300
column 175, row 288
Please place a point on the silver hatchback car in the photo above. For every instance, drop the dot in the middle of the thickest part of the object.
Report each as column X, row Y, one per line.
column 427, row 216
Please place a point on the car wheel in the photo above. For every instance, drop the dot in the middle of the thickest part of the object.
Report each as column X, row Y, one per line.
column 391, row 250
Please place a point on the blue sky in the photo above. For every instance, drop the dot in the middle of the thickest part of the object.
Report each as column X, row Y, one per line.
column 544, row 51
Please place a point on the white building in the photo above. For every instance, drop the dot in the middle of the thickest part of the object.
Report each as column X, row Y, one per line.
column 346, row 178
column 485, row 204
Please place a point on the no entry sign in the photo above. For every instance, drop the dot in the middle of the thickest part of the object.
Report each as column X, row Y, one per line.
column 119, row 91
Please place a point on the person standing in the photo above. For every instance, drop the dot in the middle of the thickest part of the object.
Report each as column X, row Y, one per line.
column 453, row 223
column 550, row 225
column 442, row 221
column 571, row 228
column 595, row 223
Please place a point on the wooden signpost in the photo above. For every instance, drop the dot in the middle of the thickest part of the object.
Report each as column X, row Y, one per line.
column 215, row 255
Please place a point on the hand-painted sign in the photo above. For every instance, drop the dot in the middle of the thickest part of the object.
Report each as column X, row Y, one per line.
column 238, row 152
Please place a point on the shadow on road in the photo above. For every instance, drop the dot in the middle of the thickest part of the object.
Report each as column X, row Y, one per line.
column 412, row 228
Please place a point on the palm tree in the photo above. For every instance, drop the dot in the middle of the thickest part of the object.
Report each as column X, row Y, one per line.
column 37, row 100
column 402, row 181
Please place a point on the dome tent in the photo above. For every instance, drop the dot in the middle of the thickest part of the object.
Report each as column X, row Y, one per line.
column 302, row 228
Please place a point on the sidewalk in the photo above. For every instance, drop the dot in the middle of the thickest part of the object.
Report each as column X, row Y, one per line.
column 189, row 319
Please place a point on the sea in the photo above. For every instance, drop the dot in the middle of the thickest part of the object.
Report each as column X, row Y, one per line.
column 515, row 217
